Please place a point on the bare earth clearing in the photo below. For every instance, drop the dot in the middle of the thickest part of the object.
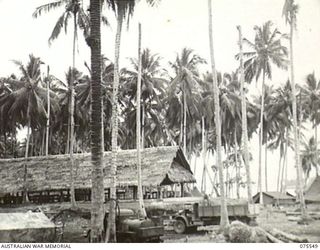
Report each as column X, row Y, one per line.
column 75, row 227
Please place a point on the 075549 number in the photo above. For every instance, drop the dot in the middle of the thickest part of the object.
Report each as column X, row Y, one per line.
column 309, row 246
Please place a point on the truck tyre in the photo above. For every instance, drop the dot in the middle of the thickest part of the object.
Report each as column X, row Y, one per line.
column 179, row 226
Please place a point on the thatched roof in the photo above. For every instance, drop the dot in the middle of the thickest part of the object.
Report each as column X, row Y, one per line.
column 276, row 196
column 53, row 172
column 312, row 193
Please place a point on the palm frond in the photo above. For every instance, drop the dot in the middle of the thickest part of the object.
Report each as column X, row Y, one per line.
column 57, row 28
column 47, row 8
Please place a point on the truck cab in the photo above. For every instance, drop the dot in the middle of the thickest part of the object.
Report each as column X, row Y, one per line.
column 207, row 212
column 131, row 228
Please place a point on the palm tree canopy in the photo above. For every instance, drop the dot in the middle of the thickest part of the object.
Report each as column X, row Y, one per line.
column 289, row 11
column 311, row 98
column 266, row 49
column 28, row 91
column 73, row 8
column 309, row 156
column 125, row 8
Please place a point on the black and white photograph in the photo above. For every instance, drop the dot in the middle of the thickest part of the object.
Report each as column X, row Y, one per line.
column 159, row 121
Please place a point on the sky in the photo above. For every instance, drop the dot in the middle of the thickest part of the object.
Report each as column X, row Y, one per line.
column 166, row 29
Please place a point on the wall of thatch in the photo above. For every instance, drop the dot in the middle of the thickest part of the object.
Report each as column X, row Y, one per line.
column 53, row 172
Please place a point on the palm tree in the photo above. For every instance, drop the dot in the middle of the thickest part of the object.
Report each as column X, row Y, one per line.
column 224, row 221
column 97, row 196
column 123, row 9
column 184, row 89
column 83, row 97
column 152, row 91
column 26, row 105
column 290, row 10
column 73, row 9
column 309, row 157
column 311, row 97
column 267, row 49
column 280, row 109
column 244, row 121
column 142, row 210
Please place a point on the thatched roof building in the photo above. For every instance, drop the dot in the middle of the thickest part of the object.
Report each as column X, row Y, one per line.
column 312, row 193
column 160, row 166
column 274, row 198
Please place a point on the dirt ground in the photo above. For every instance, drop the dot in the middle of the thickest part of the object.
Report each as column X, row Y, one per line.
column 75, row 228
column 279, row 220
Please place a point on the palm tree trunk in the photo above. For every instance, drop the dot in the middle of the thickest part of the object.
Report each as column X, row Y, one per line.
column 244, row 122
column 25, row 192
column 236, row 164
column 266, row 166
column 282, row 178
column 102, row 125
column 111, row 231
column 43, row 141
column 286, row 167
column 224, row 221
column 48, row 113
column 316, row 146
column 68, row 135
column 97, row 193
column 283, row 186
column 142, row 129
column 72, row 192
column 181, row 124
column 142, row 211
column 295, row 127
column 184, row 123
column 279, row 174
column 195, row 165
column 261, row 138
column 204, row 151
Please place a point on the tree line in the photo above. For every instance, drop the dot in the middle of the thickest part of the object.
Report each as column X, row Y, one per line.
column 96, row 110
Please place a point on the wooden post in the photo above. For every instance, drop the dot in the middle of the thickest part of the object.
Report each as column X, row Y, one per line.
column 159, row 192
column 181, row 184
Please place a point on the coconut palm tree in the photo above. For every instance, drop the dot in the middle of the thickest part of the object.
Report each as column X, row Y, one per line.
column 311, row 99
column 309, row 157
column 83, row 97
column 7, row 130
column 266, row 50
column 224, row 221
column 290, row 10
column 74, row 10
column 153, row 82
column 123, row 9
column 184, row 90
column 142, row 210
column 97, row 196
column 26, row 104
column 244, row 121
column 281, row 109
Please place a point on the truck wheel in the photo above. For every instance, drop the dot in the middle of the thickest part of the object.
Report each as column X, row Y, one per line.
column 179, row 226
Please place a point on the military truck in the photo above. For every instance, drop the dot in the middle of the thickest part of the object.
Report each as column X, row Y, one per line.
column 207, row 212
column 131, row 228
